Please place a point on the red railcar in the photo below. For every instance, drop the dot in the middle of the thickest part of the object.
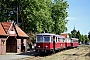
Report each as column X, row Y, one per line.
column 67, row 39
column 68, row 42
column 59, row 42
column 49, row 42
column 74, row 42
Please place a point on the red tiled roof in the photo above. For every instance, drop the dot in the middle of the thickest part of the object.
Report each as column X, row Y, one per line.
column 65, row 35
column 2, row 32
column 6, row 27
column 20, row 32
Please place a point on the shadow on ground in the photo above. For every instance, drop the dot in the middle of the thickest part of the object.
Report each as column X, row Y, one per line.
column 34, row 54
column 71, row 54
column 88, row 54
column 28, row 53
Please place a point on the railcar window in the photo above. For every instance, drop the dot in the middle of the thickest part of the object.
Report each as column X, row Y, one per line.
column 75, row 40
column 39, row 39
column 58, row 39
column 46, row 38
column 51, row 39
column 61, row 40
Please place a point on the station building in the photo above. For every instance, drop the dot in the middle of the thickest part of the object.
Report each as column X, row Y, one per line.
column 12, row 38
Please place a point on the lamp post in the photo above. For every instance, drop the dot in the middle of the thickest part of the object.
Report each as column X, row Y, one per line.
column 17, row 14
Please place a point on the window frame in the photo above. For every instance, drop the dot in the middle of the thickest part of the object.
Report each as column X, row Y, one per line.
column 37, row 38
column 46, row 36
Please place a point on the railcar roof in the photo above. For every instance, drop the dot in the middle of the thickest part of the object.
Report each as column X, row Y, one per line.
column 59, row 36
column 75, row 38
column 45, row 34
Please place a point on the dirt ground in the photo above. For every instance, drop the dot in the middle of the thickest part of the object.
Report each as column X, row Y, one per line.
column 80, row 53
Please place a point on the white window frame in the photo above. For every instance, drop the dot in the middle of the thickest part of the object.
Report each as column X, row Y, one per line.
column 44, row 39
column 39, row 41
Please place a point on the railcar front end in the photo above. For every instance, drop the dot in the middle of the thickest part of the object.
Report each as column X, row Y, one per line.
column 43, row 42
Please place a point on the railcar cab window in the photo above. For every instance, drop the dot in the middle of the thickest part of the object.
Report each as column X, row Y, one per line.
column 46, row 38
column 39, row 38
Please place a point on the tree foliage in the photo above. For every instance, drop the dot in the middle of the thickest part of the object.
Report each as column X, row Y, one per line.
column 74, row 32
column 59, row 13
column 78, row 35
column 39, row 16
column 36, row 16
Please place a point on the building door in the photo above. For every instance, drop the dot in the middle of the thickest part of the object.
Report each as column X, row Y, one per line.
column 22, row 45
column 11, row 44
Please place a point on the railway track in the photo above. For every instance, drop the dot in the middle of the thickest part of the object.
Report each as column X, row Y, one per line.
column 82, row 53
column 71, row 54
column 77, row 54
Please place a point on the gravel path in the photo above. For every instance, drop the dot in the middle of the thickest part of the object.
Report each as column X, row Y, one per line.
column 13, row 56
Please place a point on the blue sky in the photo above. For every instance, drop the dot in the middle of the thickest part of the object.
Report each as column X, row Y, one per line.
column 79, row 15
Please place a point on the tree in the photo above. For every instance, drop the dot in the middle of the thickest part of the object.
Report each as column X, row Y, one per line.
column 89, row 34
column 74, row 32
column 86, row 39
column 59, row 13
column 70, row 35
column 36, row 16
column 78, row 35
column 39, row 16
column 6, row 10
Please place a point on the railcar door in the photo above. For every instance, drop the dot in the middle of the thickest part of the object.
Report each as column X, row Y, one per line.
column 54, row 43
column 71, row 42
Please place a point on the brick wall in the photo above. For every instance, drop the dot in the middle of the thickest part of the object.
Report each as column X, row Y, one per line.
column 18, row 45
column 2, row 47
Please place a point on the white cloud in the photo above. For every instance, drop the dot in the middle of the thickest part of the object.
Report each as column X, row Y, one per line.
column 70, row 18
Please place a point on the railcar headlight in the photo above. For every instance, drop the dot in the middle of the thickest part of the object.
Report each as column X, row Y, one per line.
column 61, row 44
column 39, row 46
column 46, row 46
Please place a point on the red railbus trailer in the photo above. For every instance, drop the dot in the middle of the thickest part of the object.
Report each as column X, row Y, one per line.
column 68, row 42
column 74, row 42
column 59, row 42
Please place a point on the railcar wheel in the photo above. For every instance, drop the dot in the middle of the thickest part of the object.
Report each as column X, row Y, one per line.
column 54, row 52
column 59, row 50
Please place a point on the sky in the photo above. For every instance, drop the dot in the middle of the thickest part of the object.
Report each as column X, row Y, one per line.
column 79, row 16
